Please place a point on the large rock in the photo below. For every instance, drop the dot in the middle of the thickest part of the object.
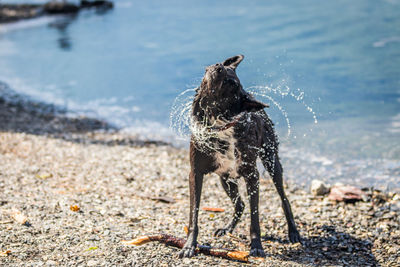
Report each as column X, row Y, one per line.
column 319, row 188
column 60, row 8
column 346, row 193
column 15, row 12
column 96, row 3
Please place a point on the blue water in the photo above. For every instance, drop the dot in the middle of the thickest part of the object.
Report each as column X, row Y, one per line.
column 340, row 59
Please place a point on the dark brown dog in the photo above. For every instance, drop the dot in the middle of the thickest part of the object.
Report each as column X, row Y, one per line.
column 230, row 130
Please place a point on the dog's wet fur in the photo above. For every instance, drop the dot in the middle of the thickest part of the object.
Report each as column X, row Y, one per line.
column 242, row 132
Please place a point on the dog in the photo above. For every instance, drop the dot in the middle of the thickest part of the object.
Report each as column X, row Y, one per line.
column 230, row 130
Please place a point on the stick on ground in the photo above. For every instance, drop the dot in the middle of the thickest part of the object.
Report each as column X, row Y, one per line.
column 173, row 241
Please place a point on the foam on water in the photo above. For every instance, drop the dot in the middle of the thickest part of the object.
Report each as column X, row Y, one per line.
column 385, row 41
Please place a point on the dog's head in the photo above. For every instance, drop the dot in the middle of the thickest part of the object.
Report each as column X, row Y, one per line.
column 221, row 93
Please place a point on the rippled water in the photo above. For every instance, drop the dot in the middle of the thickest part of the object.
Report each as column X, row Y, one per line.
column 329, row 70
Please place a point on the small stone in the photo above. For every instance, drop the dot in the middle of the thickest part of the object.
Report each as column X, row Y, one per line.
column 93, row 238
column 319, row 188
column 393, row 250
column 186, row 261
column 51, row 263
column 92, row 263
column 395, row 206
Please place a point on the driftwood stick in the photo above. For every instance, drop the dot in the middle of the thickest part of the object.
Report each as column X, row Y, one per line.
column 173, row 241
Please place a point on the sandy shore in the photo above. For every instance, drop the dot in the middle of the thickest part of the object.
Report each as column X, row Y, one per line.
column 50, row 162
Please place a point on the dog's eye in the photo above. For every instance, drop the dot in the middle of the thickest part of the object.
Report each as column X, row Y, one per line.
column 219, row 70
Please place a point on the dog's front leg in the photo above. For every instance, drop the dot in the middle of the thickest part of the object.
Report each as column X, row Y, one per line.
column 252, row 184
column 195, row 186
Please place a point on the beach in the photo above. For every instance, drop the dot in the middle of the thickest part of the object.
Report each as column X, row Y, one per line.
column 94, row 129
column 83, row 187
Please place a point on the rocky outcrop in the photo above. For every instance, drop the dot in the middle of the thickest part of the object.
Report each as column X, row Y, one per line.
column 96, row 3
column 15, row 12
column 56, row 7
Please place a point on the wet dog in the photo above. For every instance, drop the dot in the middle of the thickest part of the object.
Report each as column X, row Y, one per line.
column 230, row 130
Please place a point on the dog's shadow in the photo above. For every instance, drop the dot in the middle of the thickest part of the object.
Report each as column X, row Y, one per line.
column 329, row 247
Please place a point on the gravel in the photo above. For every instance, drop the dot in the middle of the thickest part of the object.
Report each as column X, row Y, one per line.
column 118, row 183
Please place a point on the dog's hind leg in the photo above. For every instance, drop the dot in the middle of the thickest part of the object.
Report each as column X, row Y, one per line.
column 274, row 168
column 231, row 189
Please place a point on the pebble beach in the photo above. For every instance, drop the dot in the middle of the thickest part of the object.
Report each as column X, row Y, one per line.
column 72, row 189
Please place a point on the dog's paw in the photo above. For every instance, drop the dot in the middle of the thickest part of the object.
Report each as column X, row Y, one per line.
column 187, row 252
column 257, row 252
column 221, row 232
column 256, row 249
column 294, row 236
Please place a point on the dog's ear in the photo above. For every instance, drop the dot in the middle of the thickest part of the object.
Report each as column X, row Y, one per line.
column 251, row 104
column 233, row 62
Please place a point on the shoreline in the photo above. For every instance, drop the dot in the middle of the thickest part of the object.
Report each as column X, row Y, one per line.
column 19, row 113
column 83, row 187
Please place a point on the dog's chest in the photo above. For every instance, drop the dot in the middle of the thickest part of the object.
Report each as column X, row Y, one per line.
column 227, row 160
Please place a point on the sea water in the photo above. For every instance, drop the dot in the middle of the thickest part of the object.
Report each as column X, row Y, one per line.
column 330, row 72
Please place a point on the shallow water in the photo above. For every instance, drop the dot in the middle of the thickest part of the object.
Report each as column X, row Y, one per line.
column 335, row 63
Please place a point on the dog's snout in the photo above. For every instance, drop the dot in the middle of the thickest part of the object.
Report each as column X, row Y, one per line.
column 218, row 67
